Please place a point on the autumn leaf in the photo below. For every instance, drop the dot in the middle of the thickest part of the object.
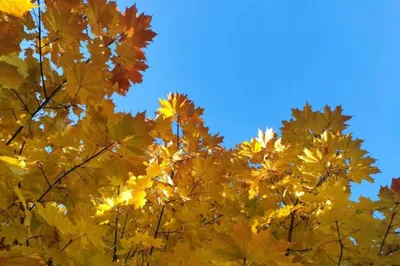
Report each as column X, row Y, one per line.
column 83, row 184
column 16, row 7
column 395, row 186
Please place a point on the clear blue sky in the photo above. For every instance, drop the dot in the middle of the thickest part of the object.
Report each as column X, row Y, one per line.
column 249, row 62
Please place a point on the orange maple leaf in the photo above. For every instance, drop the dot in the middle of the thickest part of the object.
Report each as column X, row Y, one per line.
column 396, row 185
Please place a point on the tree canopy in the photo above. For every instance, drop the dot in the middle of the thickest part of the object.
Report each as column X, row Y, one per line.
column 82, row 184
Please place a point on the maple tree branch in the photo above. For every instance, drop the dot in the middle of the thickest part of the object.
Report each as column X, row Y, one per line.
column 352, row 232
column 389, row 227
column 49, row 97
column 157, row 228
column 393, row 250
column 214, row 219
column 289, row 250
column 50, row 42
column 277, row 190
column 274, row 234
column 123, row 228
column 291, row 227
column 70, row 242
column 22, row 101
column 323, row 179
column 40, row 49
column 22, row 148
column 172, row 174
column 299, row 222
column 71, row 170
column 115, row 257
column 114, row 228
column 38, row 109
column 340, row 243
column 44, row 175
column 177, row 132
column 127, row 257
column 38, row 236
column 9, row 207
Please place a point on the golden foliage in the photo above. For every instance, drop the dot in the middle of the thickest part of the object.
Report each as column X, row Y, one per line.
column 83, row 185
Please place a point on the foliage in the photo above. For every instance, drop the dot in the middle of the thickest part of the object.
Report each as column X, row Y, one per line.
column 81, row 184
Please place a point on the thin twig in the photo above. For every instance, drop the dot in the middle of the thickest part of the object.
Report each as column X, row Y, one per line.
column 291, row 227
column 172, row 174
column 279, row 193
column 123, row 228
column 49, row 97
column 393, row 250
column 44, row 175
column 115, row 256
column 177, row 132
column 388, row 228
column 9, row 207
column 299, row 250
column 70, row 242
column 22, row 148
column 213, row 220
column 38, row 109
column 40, row 50
column 71, row 170
column 127, row 257
column 158, row 228
column 340, row 243
column 323, row 179
column 22, row 101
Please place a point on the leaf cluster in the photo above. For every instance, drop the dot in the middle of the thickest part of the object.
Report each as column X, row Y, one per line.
column 82, row 184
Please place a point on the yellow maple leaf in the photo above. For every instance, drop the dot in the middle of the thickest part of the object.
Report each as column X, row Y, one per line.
column 9, row 76
column 309, row 156
column 140, row 241
column 135, row 191
column 54, row 217
column 248, row 247
column 10, row 37
column 176, row 104
column 9, row 258
column 185, row 255
column 16, row 7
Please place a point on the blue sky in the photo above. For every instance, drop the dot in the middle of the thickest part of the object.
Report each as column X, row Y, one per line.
column 249, row 62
